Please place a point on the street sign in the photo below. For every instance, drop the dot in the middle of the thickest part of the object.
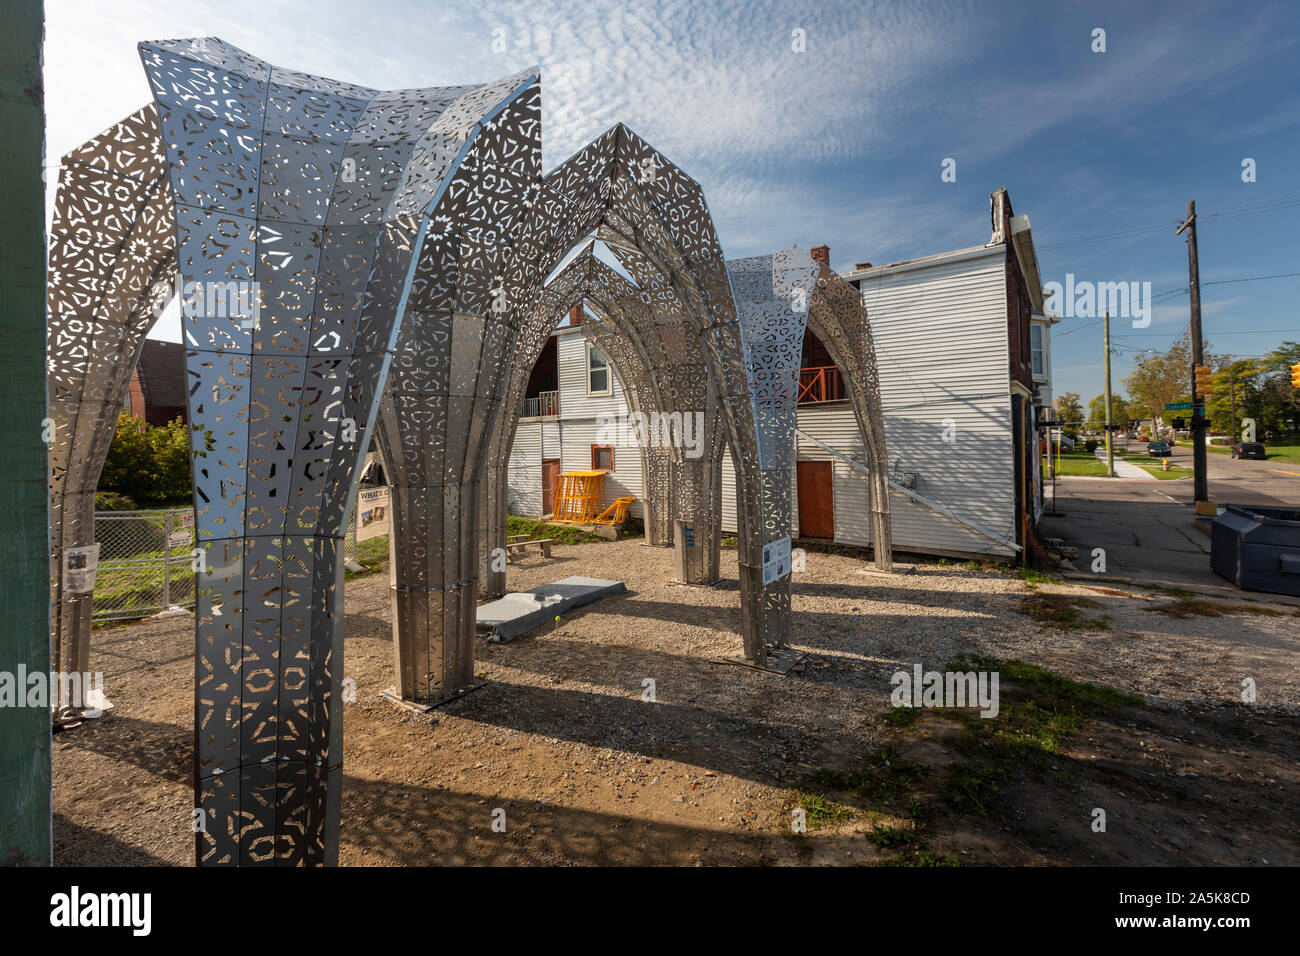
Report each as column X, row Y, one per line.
column 1177, row 406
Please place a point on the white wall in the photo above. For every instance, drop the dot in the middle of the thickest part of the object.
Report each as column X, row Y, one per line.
column 941, row 348
column 571, row 436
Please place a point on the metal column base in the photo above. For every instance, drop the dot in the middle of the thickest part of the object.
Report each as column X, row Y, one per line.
column 420, row 707
column 781, row 660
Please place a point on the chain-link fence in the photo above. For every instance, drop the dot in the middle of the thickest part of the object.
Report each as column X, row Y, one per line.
column 146, row 561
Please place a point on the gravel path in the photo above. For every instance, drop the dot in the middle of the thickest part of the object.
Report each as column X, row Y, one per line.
column 587, row 771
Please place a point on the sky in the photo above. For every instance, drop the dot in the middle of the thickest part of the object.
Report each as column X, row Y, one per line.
column 833, row 123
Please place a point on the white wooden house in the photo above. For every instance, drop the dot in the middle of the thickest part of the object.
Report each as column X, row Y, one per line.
column 963, row 379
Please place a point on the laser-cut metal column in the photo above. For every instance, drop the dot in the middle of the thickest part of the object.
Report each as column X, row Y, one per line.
column 112, row 258
column 314, row 191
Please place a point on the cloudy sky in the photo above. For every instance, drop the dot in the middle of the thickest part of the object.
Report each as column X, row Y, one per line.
column 830, row 122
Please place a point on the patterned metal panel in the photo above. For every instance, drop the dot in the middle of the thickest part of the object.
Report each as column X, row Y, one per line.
column 323, row 196
column 112, row 257
column 837, row 317
column 334, row 240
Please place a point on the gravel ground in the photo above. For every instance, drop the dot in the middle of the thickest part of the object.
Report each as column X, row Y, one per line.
column 588, row 772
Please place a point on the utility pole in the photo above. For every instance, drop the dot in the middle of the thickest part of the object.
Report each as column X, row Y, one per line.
column 1110, row 434
column 1200, row 489
column 1232, row 400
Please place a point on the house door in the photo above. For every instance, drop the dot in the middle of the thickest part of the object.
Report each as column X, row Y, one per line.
column 550, row 479
column 816, row 499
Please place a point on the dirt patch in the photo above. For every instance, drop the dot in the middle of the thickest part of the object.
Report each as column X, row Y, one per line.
column 709, row 772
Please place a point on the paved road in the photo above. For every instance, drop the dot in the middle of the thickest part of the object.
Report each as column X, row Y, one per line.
column 1236, row 481
column 1146, row 527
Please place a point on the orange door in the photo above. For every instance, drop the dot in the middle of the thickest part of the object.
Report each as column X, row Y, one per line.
column 550, row 478
column 816, row 499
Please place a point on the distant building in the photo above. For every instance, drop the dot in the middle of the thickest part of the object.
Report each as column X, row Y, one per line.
column 157, row 390
column 963, row 350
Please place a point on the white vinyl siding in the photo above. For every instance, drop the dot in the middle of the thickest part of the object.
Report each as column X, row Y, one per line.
column 940, row 332
column 524, row 470
column 575, row 403
column 571, row 436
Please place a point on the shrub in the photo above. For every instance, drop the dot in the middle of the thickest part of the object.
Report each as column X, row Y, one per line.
column 1091, row 445
column 149, row 463
column 112, row 501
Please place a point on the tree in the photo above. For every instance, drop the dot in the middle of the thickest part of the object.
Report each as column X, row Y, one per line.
column 1161, row 379
column 1278, row 400
column 1236, row 389
column 149, row 463
column 1097, row 411
column 1068, row 408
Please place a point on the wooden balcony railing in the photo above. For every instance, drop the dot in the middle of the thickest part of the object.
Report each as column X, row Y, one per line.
column 543, row 405
column 821, row 384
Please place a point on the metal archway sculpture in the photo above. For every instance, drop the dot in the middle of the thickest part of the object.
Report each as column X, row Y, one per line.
column 320, row 193
column 372, row 238
column 621, row 184
column 838, row 318
column 112, row 258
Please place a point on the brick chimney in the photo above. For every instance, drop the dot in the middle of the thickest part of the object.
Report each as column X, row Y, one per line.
column 861, row 265
column 575, row 315
column 822, row 256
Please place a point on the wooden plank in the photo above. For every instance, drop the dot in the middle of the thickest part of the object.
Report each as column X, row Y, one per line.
column 25, row 744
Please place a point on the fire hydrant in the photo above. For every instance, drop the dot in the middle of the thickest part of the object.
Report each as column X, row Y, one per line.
column 1165, row 464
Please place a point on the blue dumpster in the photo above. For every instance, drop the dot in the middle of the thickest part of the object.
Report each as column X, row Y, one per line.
column 1257, row 549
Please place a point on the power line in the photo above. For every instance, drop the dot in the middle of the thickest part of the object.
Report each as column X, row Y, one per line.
column 1250, row 209
column 1146, row 335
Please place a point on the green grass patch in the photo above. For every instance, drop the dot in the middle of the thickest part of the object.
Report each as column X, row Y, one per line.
column 903, row 798
column 889, row 838
column 1063, row 611
column 821, row 811
column 1081, row 464
column 559, row 533
column 1033, row 576
column 1038, row 709
column 1283, row 453
column 919, row 858
column 901, row 716
column 887, row 778
column 1188, row 606
column 1154, row 466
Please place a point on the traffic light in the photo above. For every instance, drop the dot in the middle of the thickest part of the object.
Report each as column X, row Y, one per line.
column 1295, row 375
column 1203, row 384
column 1178, row 424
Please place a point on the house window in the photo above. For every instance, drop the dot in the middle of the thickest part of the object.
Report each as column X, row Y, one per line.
column 602, row 458
column 597, row 373
column 1036, row 350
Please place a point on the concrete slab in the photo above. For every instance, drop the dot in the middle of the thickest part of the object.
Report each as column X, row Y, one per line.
column 503, row 620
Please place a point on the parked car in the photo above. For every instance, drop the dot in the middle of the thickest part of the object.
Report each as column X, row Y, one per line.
column 1159, row 449
column 1249, row 449
column 1143, row 438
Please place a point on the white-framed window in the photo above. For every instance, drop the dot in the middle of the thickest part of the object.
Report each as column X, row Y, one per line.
column 1036, row 354
column 598, row 381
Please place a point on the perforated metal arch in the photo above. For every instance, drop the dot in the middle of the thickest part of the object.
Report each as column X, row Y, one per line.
column 838, row 318
column 357, row 217
column 112, row 256
column 319, row 192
